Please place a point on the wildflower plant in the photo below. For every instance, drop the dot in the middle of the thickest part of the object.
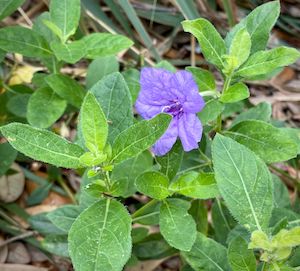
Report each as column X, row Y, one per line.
column 180, row 154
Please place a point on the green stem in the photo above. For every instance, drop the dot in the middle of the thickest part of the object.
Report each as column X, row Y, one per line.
column 227, row 82
column 195, row 167
column 264, row 266
column 219, row 124
column 9, row 219
column 229, row 11
column 144, row 216
column 140, row 211
column 209, row 93
column 107, row 180
column 206, row 158
column 67, row 189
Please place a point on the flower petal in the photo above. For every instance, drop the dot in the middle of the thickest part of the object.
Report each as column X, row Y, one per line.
column 154, row 94
column 155, row 86
column 189, row 131
column 194, row 103
column 187, row 91
column 148, row 111
column 166, row 142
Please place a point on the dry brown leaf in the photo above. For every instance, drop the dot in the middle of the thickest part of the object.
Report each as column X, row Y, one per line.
column 146, row 265
column 12, row 186
column 35, row 254
column 21, row 267
column 56, row 200
column 3, row 251
column 42, row 208
column 277, row 97
column 286, row 75
column 17, row 253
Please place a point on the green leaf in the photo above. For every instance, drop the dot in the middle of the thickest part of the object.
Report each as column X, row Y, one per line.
column 270, row 143
column 85, row 198
column 67, row 88
column 171, row 162
column 261, row 111
column 138, row 234
column 222, row 221
column 132, row 78
column 7, row 7
column 263, row 62
column 206, row 254
column 240, row 46
column 211, row 42
column 65, row 14
column 148, row 214
column 235, row 93
column 139, row 137
column 244, row 182
column 281, row 193
column 42, row 145
column 64, row 217
column 69, row 52
column 204, row 78
column 56, row 244
column 21, row 40
column 40, row 27
column 287, row 238
column 210, row 111
column 164, row 64
column 113, row 95
column 153, row 184
column 18, row 105
column 130, row 169
column 196, row 185
column 99, row 68
column 43, row 225
column 258, row 24
column 45, row 107
column 238, row 231
column 199, row 212
column 39, row 194
column 90, row 159
column 93, row 123
column 7, row 157
column 100, row 238
column 55, row 30
column 153, row 247
column 240, row 257
column 176, row 225
column 105, row 44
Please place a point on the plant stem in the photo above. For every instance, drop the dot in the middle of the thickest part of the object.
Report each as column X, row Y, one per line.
column 219, row 118
column 107, row 180
column 195, row 167
column 67, row 189
column 142, row 209
column 229, row 11
column 227, row 83
column 209, row 93
column 219, row 124
column 144, row 216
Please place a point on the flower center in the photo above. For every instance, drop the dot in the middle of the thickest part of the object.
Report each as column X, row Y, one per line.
column 174, row 108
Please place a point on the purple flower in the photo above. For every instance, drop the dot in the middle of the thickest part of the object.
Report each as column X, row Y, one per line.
column 175, row 94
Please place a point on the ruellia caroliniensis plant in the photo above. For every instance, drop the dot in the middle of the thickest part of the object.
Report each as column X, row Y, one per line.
column 176, row 151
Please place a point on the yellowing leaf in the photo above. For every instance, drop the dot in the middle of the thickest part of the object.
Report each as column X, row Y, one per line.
column 22, row 74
